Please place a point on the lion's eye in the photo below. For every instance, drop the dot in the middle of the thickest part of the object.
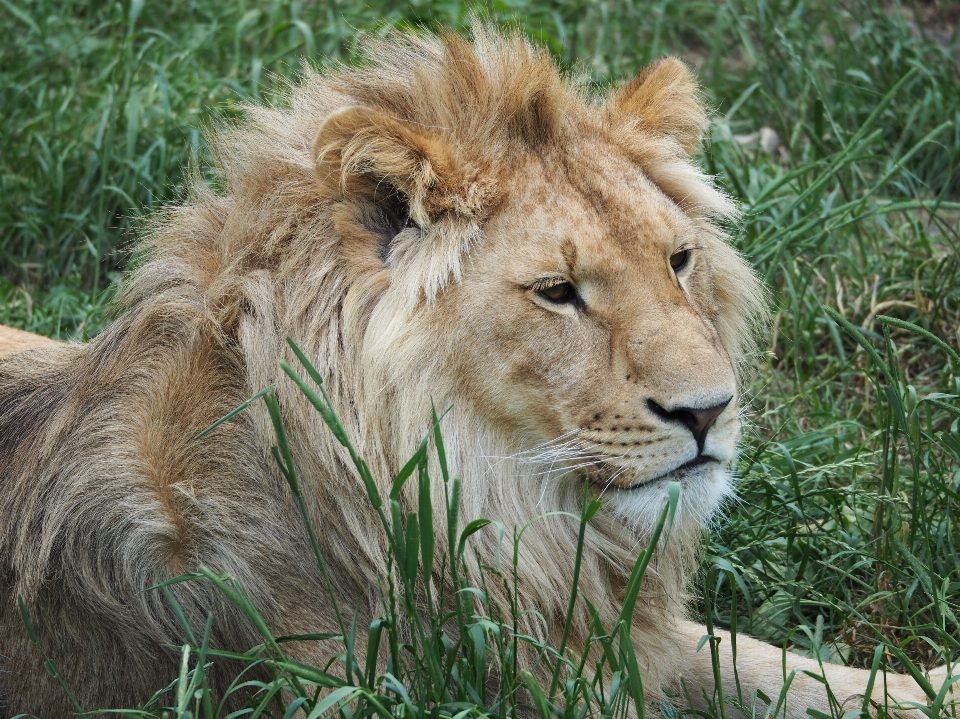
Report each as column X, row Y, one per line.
column 559, row 294
column 678, row 260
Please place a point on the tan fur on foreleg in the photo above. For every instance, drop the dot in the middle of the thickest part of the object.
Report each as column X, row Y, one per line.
column 763, row 667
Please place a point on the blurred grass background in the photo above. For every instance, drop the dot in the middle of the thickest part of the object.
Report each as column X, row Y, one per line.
column 837, row 125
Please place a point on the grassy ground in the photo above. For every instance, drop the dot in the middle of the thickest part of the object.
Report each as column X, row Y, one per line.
column 847, row 530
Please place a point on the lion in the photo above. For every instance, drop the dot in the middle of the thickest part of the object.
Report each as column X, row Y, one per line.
column 451, row 222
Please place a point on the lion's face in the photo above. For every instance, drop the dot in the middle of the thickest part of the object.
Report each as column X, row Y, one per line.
column 585, row 322
column 551, row 269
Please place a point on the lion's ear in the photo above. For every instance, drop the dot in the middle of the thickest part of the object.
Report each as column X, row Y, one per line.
column 663, row 99
column 360, row 151
column 658, row 119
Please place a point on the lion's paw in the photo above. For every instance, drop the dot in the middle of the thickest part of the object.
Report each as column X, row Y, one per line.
column 938, row 678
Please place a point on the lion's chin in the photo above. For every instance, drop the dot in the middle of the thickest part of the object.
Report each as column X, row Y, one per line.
column 610, row 476
column 704, row 487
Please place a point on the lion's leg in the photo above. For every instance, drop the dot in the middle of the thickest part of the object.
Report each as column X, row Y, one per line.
column 761, row 666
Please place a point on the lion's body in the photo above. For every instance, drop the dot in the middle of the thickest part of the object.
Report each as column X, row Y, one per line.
column 404, row 224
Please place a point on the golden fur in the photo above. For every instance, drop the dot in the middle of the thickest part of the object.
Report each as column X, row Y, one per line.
column 405, row 222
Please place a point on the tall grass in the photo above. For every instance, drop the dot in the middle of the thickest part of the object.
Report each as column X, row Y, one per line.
column 440, row 641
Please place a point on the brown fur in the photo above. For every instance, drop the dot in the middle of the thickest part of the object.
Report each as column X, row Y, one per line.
column 511, row 179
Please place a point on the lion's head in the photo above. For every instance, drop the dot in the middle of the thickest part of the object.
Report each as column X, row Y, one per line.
column 546, row 264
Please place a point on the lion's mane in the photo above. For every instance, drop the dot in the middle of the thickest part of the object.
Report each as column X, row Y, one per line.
column 103, row 487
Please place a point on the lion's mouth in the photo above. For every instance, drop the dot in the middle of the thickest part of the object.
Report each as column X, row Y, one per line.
column 696, row 462
column 606, row 475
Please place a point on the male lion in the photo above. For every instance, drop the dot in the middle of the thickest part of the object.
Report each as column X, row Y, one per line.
column 451, row 221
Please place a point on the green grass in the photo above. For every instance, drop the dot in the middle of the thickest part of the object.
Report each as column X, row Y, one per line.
column 847, row 532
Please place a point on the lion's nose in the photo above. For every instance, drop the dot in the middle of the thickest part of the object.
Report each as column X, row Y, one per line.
column 698, row 420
